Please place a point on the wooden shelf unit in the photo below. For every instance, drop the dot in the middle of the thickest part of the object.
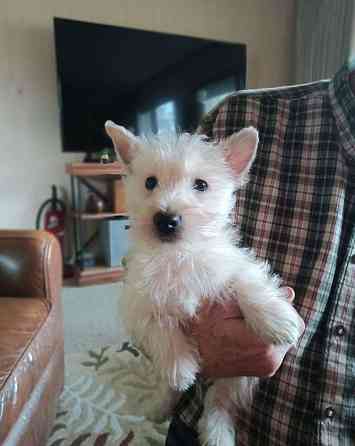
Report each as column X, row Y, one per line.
column 99, row 216
column 98, row 274
column 84, row 173
column 115, row 169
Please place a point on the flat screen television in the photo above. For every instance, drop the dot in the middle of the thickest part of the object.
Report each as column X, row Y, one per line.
column 147, row 81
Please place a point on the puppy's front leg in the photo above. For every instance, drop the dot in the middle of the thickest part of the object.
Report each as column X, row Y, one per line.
column 174, row 354
column 264, row 303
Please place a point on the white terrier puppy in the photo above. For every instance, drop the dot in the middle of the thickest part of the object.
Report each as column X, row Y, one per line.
column 180, row 195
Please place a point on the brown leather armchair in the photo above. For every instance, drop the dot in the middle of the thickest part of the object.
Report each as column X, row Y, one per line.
column 31, row 336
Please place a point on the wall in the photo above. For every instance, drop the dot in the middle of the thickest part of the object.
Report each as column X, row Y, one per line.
column 31, row 158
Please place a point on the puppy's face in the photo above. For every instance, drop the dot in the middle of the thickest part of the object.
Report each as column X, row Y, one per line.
column 180, row 187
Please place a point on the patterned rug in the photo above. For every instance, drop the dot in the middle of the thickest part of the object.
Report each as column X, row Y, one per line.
column 110, row 398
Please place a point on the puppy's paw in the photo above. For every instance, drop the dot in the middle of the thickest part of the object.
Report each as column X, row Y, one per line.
column 281, row 325
column 183, row 373
column 286, row 331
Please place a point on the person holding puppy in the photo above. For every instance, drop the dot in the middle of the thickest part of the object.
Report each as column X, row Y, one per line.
column 298, row 212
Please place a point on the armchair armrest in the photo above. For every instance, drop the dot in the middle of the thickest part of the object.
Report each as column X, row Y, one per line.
column 30, row 265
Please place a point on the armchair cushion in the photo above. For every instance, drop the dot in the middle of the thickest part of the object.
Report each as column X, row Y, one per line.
column 30, row 265
column 31, row 336
column 20, row 320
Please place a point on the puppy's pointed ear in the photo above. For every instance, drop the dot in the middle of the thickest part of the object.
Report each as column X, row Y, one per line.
column 240, row 150
column 124, row 142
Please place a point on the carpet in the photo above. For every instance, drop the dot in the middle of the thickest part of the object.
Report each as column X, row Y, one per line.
column 110, row 398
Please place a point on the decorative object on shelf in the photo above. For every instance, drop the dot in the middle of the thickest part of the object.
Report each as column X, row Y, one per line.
column 87, row 260
column 94, row 204
column 105, row 156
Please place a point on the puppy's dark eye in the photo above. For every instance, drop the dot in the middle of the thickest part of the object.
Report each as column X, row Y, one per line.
column 151, row 183
column 200, row 185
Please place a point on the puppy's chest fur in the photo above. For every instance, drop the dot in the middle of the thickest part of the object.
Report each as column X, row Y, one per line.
column 172, row 283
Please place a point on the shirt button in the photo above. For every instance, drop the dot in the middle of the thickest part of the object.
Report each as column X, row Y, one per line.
column 329, row 413
column 339, row 330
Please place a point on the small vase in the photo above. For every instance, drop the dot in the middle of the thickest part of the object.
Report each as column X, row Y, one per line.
column 94, row 204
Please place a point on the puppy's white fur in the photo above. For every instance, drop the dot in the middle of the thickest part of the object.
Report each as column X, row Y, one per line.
column 167, row 281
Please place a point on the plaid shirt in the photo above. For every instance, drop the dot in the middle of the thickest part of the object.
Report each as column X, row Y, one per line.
column 298, row 212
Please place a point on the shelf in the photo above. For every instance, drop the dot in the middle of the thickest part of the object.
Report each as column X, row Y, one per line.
column 99, row 216
column 99, row 170
column 85, row 175
column 98, row 274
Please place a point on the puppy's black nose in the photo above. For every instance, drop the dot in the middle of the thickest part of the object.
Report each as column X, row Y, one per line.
column 167, row 224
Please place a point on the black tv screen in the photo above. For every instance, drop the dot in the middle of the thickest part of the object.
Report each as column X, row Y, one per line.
column 146, row 81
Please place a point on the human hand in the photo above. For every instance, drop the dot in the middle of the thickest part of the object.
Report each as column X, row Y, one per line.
column 229, row 348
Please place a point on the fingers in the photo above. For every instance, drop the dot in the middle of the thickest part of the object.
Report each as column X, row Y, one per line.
column 214, row 314
column 237, row 333
column 273, row 359
column 257, row 361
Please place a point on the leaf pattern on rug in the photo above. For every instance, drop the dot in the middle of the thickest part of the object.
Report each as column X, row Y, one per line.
column 57, row 427
column 101, row 439
column 126, row 441
column 96, row 405
column 80, row 440
column 98, row 359
column 143, row 385
column 128, row 347
column 58, row 442
column 106, row 402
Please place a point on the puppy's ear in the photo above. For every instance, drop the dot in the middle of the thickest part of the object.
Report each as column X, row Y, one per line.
column 124, row 142
column 240, row 150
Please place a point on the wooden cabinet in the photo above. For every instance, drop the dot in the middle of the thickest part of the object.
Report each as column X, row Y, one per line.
column 104, row 181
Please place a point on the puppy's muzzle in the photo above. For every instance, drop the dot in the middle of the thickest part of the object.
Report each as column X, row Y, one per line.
column 167, row 225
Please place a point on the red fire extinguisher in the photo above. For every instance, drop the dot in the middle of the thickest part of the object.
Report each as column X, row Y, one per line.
column 54, row 217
